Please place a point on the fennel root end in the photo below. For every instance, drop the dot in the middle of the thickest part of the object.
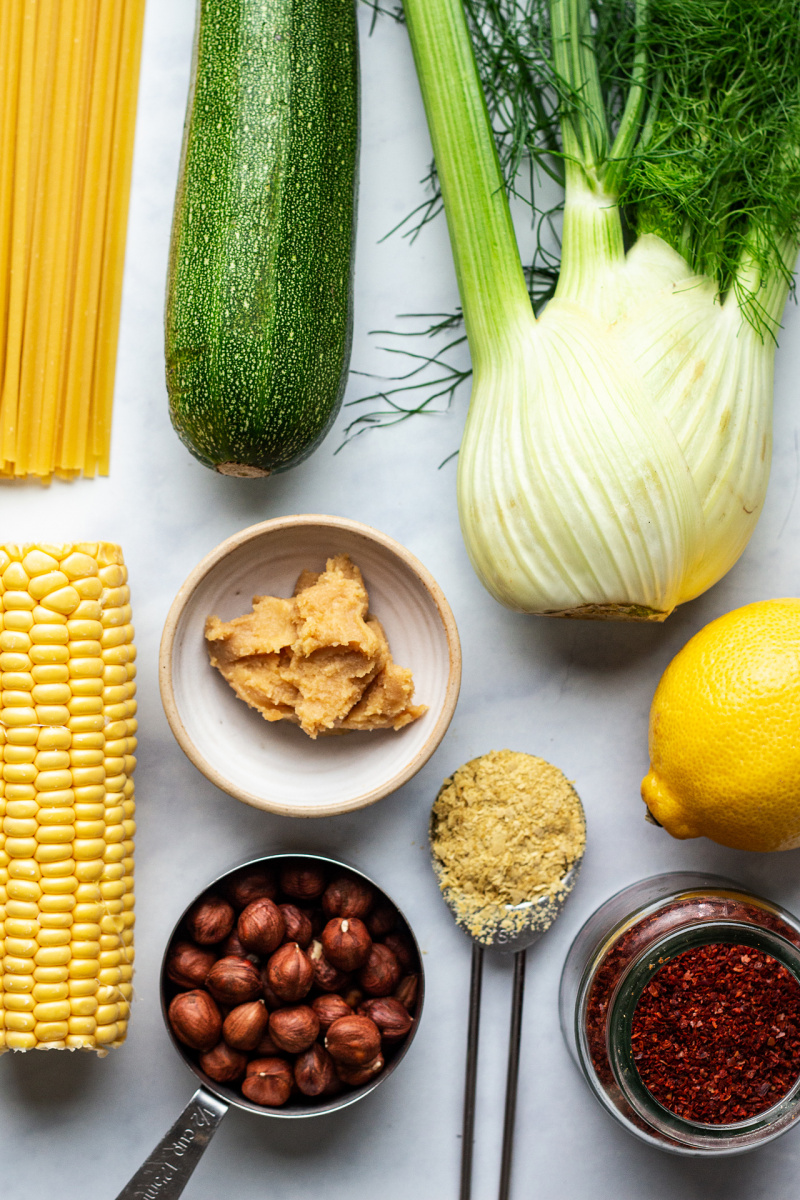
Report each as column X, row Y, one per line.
column 611, row 612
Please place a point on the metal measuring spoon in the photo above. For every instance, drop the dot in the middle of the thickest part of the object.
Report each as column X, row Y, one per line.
column 166, row 1171
column 511, row 928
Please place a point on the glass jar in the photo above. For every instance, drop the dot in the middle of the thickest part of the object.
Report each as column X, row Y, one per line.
column 611, row 961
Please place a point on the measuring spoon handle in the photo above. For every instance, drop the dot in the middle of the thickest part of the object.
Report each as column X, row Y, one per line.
column 164, row 1174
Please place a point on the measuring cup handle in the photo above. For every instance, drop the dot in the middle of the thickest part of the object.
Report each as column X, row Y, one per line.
column 164, row 1173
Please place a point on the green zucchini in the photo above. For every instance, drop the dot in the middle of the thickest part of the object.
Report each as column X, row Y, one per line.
column 259, row 289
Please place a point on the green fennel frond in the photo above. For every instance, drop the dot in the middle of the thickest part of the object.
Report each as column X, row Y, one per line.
column 687, row 112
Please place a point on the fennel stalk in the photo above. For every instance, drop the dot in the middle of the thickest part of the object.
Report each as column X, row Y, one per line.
column 616, row 452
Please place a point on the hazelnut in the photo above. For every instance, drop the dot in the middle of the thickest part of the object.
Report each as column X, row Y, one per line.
column 347, row 897
column 314, row 1072
column 233, row 981
column 381, row 921
column 233, row 945
column 289, row 973
column 357, row 1076
column 329, row 1008
column 391, row 1017
column 326, row 976
column 353, row 1040
column 346, row 943
column 294, row 1029
column 353, row 997
column 271, row 998
column 266, row 1048
column 261, row 926
column 403, row 949
column 195, row 1020
column 268, row 1081
column 245, row 1025
column 253, row 883
column 406, row 991
column 223, row 1064
column 298, row 925
column 210, row 920
column 303, row 881
column 188, row 964
column 380, row 974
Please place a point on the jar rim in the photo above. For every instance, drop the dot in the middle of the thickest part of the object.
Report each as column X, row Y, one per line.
column 622, row 1007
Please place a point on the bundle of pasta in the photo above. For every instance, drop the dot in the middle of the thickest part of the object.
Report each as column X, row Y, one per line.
column 67, row 739
column 68, row 86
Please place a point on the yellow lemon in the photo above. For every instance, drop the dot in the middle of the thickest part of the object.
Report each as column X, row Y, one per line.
column 725, row 732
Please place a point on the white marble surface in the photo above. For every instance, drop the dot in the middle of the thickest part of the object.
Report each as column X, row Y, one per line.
column 74, row 1127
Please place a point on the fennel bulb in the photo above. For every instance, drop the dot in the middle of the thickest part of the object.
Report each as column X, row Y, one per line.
column 617, row 448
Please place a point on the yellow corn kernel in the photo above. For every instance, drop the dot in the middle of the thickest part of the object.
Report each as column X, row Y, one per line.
column 13, row 661
column 84, row 968
column 23, row 889
column 25, row 870
column 53, row 938
column 49, row 634
column 52, row 760
column 53, row 956
column 19, row 772
column 20, row 735
column 83, row 1006
column 45, row 585
column 88, row 741
column 57, row 904
column 19, row 1001
column 17, row 966
column 86, row 618
column 52, row 714
column 19, row 792
column 18, row 622
column 47, row 616
column 19, row 983
column 48, row 993
column 84, row 987
column 52, row 975
column 18, row 600
column 38, row 561
column 88, row 589
column 50, row 673
column 55, row 920
column 79, row 566
column 64, row 600
column 53, row 739
column 87, row 724
column 55, row 1010
column 47, row 655
column 85, row 1026
column 51, row 1031
column 20, row 1022
column 50, row 693
column 20, row 847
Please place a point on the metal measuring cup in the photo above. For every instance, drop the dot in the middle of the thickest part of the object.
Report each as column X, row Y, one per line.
column 167, row 1169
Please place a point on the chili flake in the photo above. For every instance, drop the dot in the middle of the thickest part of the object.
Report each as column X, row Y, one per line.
column 716, row 1033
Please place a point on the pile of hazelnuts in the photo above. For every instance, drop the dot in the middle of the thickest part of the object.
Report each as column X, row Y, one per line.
column 295, row 982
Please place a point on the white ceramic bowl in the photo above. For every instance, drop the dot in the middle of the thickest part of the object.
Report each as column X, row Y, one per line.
column 275, row 766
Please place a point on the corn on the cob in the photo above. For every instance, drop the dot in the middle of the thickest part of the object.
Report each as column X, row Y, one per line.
column 66, row 797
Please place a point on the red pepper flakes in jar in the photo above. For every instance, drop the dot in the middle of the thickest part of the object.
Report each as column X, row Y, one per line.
column 617, row 955
column 716, row 1033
